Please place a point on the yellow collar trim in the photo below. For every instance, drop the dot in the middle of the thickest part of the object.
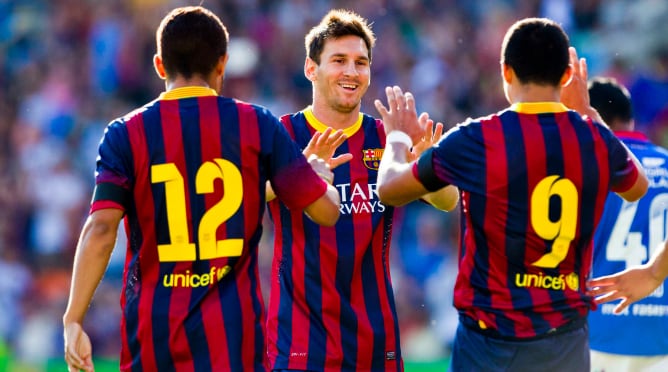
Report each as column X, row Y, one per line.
column 187, row 92
column 538, row 107
column 320, row 127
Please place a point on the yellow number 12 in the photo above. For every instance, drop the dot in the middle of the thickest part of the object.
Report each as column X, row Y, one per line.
column 562, row 231
column 180, row 248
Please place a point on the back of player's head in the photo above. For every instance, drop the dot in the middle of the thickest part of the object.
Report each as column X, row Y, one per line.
column 537, row 50
column 190, row 41
column 335, row 24
column 611, row 99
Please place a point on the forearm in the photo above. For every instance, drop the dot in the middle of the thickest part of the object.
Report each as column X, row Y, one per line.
column 90, row 263
column 659, row 263
column 444, row 199
column 396, row 184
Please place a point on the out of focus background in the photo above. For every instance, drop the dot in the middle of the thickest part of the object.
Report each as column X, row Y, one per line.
column 68, row 67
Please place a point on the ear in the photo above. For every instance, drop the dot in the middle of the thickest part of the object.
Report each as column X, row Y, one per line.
column 159, row 67
column 567, row 76
column 508, row 73
column 220, row 66
column 310, row 68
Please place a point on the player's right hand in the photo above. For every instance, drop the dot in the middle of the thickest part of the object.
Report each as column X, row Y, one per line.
column 78, row 349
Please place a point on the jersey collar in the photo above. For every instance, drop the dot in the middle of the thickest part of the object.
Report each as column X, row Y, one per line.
column 320, row 127
column 538, row 107
column 187, row 92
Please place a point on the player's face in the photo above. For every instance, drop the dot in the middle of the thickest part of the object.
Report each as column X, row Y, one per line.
column 344, row 73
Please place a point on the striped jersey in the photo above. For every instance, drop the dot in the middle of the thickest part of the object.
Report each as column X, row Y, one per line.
column 629, row 234
column 189, row 170
column 533, row 181
column 331, row 306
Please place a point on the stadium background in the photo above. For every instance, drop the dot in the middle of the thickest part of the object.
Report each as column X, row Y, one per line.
column 67, row 67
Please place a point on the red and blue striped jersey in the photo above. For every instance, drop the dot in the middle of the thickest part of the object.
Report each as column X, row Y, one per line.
column 533, row 181
column 189, row 169
column 331, row 306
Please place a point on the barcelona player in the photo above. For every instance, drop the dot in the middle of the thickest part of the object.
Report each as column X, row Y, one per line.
column 533, row 180
column 629, row 234
column 331, row 306
column 187, row 173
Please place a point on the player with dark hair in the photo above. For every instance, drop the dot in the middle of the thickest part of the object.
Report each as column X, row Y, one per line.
column 533, row 180
column 629, row 234
column 187, row 173
column 331, row 305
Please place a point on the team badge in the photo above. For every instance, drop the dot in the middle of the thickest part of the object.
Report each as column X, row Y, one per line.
column 371, row 158
column 573, row 281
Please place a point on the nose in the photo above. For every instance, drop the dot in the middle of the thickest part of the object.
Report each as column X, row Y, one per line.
column 351, row 68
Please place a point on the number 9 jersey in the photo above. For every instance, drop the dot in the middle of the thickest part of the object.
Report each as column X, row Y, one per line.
column 189, row 170
column 533, row 181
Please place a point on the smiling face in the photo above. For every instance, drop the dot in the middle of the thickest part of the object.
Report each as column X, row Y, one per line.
column 343, row 75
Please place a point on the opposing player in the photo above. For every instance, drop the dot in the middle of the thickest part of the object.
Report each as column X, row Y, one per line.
column 630, row 234
column 331, row 305
column 533, row 181
column 187, row 172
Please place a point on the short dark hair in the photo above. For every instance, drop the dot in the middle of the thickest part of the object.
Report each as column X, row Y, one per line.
column 190, row 41
column 335, row 24
column 611, row 99
column 537, row 50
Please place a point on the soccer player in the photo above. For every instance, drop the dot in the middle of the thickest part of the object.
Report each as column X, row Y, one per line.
column 628, row 235
column 533, row 180
column 331, row 305
column 187, row 173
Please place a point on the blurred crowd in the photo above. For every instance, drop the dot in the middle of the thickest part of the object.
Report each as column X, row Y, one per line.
column 67, row 67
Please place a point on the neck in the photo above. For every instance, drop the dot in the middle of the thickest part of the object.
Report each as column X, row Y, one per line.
column 536, row 93
column 334, row 118
column 181, row 82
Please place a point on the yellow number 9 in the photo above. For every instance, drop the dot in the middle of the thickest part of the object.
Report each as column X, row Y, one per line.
column 562, row 231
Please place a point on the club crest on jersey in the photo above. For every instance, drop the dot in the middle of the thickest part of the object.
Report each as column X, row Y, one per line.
column 371, row 158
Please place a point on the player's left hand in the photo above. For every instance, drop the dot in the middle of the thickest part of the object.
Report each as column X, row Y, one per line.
column 430, row 136
column 401, row 114
column 630, row 285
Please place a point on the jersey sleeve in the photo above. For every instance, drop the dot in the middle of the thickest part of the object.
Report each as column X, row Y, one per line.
column 623, row 170
column 113, row 175
column 291, row 176
column 438, row 167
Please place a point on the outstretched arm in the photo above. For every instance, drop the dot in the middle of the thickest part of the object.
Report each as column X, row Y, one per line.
column 446, row 198
column 396, row 183
column 96, row 243
column 575, row 95
column 323, row 145
column 632, row 284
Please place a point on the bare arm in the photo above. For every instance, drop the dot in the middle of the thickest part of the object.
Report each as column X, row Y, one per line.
column 325, row 210
column 632, row 284
column 96, row 243
column 446, row 198
column 323, row 145
column 576, row 96
column 396, row 183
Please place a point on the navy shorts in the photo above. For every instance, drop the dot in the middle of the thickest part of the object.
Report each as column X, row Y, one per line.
column 566, row 351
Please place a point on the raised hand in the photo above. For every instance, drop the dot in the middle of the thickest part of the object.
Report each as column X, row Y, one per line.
column 431, row 135
column 324, row 144
column 401, row 114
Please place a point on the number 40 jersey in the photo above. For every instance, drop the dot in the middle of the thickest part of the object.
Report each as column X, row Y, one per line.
column 629, row 233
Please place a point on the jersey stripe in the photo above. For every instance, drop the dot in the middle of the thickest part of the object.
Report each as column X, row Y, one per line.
column 148, row 272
